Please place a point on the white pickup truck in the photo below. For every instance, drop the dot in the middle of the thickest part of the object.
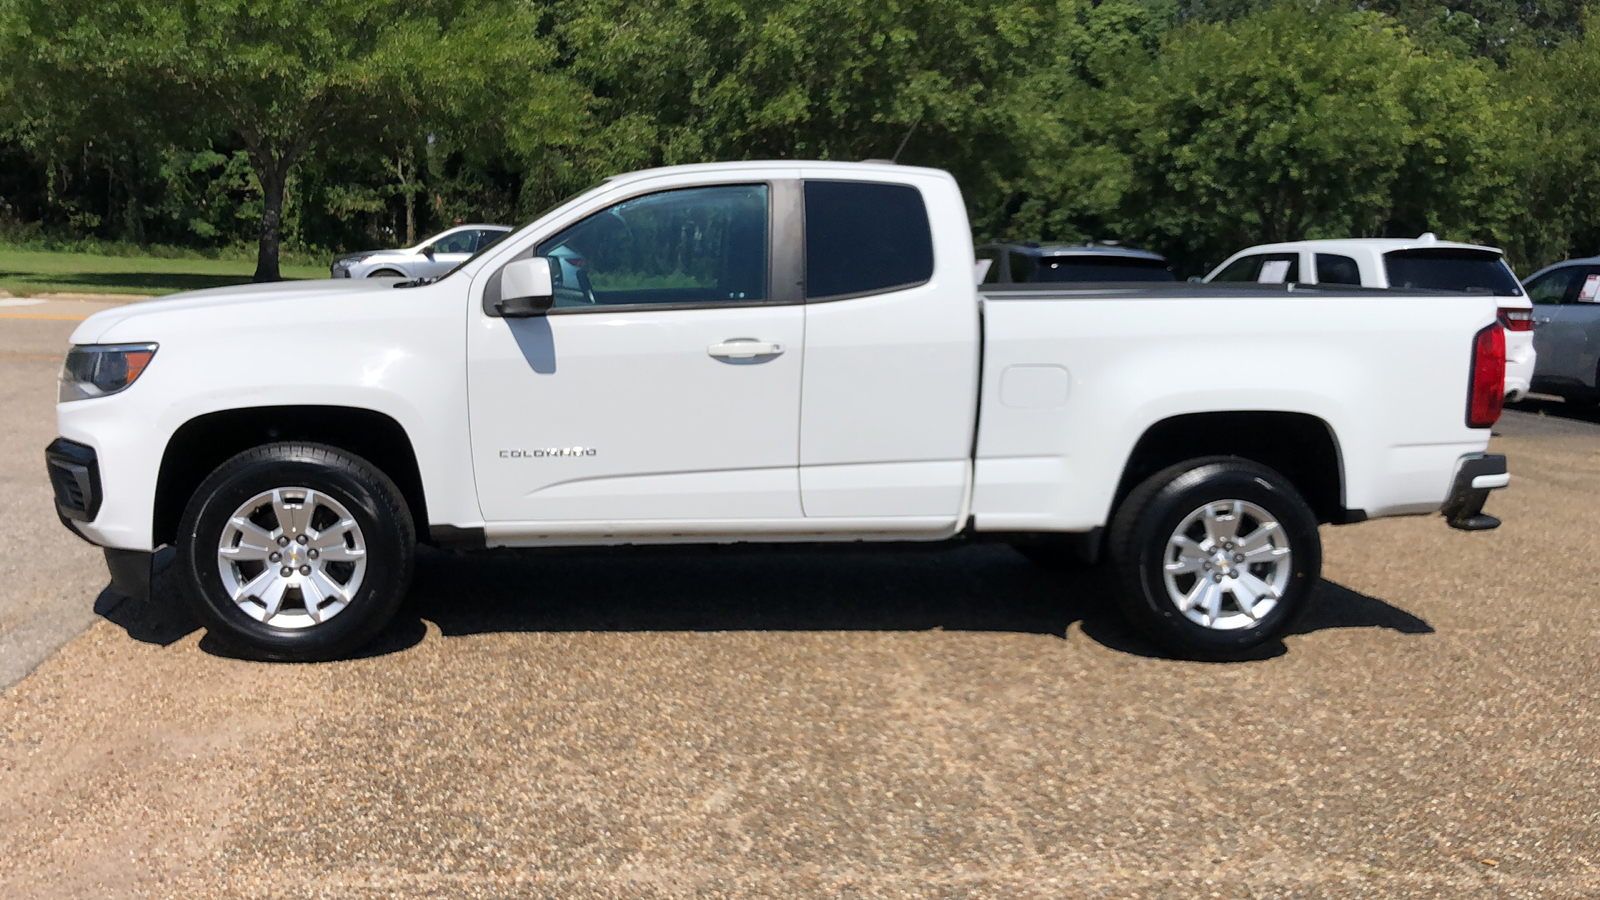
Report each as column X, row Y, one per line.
column 763, row 351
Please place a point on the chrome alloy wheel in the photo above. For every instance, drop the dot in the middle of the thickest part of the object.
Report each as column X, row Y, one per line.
column 291, row 557
column 1227, row 565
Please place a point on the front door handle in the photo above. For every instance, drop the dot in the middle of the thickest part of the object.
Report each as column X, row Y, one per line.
column 744, row 348
column 1545, row 320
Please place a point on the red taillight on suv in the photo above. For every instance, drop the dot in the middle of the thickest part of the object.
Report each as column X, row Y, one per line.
column 1516, row 319
column 1486, row 391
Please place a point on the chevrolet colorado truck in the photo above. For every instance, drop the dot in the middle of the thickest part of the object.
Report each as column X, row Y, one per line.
column 763, row 351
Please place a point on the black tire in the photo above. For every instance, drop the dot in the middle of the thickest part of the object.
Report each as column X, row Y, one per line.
column 386, row 273
column 1146, row 522
column 370, row 498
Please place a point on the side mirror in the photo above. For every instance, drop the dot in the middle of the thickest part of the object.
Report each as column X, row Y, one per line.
column 428, row 251
column 525, row 289
column 1196, row 279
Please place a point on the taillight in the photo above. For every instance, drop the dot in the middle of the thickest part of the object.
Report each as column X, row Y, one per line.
column 1516, row 319
column 1486, row 391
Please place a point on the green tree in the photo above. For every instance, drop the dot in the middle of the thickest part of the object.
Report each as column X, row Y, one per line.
column 1294, row 122
column 279, row 76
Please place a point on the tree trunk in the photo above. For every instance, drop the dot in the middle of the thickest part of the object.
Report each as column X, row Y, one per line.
column 271, row 225
column 411, row 219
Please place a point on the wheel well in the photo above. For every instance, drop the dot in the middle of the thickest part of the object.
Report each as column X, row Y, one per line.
column 205, row 442
column 1298, row 446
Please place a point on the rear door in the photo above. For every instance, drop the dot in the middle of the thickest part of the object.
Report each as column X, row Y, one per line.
column 890, row 386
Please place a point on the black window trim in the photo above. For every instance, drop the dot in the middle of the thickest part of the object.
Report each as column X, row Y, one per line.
column 890, row 289
column 784, row 203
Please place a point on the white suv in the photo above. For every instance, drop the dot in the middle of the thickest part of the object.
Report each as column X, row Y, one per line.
column 1424, row 263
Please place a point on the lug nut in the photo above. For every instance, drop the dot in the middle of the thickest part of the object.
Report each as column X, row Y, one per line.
column 274, row 557
column 302, row 539
column 283, row 541
column 286, row 572
column 313, row 554
column 1206, row 566
column 305, row 570
column 1238, row 557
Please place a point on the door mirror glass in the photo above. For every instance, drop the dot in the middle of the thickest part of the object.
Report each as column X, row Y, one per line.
column 525, row 289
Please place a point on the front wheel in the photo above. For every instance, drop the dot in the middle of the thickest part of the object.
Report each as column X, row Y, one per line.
column 1215, row 557
column 296, row 551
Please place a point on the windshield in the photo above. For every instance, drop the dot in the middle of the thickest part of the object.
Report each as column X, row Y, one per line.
column 1102, row 268
column 1473, row 271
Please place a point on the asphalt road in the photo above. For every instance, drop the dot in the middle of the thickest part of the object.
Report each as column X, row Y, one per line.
column 836, row 722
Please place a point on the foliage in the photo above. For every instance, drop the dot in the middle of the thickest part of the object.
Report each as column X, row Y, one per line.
column 1193, row 127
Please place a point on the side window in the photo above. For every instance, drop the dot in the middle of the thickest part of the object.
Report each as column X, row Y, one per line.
column 486, row 238
column 696, row 246
column 1333, row 269
column 1021, row 267
column 1266, row 268
column 1550, row 288
column 863, row 237
column 1588, row 287
column 460, row 242
column 1242, row 269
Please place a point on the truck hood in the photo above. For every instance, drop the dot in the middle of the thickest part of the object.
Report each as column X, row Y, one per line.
column 329, row 290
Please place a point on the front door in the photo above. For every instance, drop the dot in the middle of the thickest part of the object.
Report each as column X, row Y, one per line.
column 664, row 385
column 1565, row 329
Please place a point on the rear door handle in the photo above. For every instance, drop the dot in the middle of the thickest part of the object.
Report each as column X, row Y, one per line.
column 744, row 348
column 1546, row 320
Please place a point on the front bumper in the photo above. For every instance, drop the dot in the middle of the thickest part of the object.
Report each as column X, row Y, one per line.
column 74, row 470
column 1476, row 477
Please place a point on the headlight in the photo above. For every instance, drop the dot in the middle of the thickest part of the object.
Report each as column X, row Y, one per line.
column 95, row 370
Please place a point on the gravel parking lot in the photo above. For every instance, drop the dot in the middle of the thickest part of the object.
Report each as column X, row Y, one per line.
column 830, row 722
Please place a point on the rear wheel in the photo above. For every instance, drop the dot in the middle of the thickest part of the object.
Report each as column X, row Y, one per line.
column 1215, row 558
column 296, row 551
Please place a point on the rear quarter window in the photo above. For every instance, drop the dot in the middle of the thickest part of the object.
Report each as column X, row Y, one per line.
column 1473, row 271
column 865, row 238
column 1335, row 269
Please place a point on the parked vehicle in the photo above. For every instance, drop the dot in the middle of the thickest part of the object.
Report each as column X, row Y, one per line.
column 1025, row 263
column 430, row 259
column 1566, row 329
column 764, row 351
column 1421, row 263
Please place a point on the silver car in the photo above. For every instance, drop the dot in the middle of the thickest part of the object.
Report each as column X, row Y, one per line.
column 1566, row 329
column 430, row 259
